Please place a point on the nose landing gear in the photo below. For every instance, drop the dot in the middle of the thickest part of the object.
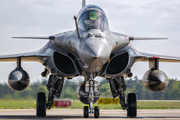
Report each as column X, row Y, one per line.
column 91, row 87
column 88, row 93
column 93, row 93
column 86, row 112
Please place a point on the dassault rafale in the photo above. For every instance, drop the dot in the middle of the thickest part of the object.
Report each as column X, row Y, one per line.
column 90, row 50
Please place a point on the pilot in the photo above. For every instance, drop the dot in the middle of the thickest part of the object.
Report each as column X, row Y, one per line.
column 93, row 19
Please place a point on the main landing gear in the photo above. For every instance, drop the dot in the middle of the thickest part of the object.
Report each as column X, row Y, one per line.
column 131, row 105
column 54, row 87
column 118, row 87
column 41, row 104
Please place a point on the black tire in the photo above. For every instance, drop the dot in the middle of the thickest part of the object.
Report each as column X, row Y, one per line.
column 86, row 112
column 131, row 105
column 96, row 112
column 41, row 104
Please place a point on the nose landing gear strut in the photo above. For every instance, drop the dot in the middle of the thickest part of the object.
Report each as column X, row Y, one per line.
column 93, row 87
column 89, row 94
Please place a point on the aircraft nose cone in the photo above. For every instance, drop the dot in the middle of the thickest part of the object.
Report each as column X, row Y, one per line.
column 97, row 52
column 94, row 54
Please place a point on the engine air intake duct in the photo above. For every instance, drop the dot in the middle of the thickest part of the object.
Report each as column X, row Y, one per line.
column 118, row 64
column 64, row 63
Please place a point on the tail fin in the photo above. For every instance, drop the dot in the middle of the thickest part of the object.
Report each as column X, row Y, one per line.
column 83, row 3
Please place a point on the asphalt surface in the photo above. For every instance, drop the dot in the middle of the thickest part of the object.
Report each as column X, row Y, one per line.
column 76, row 114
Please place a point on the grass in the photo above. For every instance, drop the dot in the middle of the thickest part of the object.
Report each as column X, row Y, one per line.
column 17, row 104
column 31, row 104
column 158, row 105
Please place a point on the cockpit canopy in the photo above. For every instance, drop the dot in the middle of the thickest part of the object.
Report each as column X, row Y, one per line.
column 92, row 17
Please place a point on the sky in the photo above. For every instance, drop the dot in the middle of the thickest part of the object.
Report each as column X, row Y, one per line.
column 138, row 18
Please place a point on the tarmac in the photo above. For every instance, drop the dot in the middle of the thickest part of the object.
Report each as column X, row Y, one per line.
column 77, row 114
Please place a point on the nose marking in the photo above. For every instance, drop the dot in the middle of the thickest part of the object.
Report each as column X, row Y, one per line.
column 72, row 49
column 114, row 46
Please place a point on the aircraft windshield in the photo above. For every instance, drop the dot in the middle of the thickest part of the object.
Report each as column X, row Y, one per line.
column 93, row 19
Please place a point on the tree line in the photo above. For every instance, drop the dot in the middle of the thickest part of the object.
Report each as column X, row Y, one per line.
column 172, row 92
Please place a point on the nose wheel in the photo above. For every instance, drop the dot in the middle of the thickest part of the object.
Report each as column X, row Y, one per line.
column 88, row 93
column 86, row 112
column 96, row 112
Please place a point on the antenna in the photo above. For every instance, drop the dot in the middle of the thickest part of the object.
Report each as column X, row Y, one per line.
column 77, row 29
column 83, row 3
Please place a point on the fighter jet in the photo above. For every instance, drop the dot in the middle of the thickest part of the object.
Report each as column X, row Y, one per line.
column 91, row 50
